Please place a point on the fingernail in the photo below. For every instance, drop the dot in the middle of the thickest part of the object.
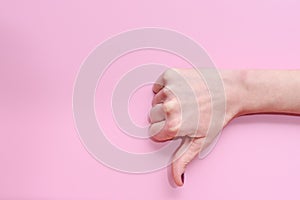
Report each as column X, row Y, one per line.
column 182, row 177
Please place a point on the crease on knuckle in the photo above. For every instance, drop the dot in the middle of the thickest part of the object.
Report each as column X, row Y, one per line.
column 169, row 107
column 172, row 127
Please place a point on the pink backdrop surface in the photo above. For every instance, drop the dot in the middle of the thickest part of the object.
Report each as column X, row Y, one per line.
column 42, row 45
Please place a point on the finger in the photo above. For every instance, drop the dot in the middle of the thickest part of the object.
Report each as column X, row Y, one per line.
column 162, row 131
column 171, row 124
column 156, row 114
column 159, row 84
column 184, row 155
column 155, row 128
column 161, row 96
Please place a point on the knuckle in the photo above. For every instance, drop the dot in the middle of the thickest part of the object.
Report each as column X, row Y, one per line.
column 168, row 107
column 168, row 73
column 172, row 127
column 165, row 92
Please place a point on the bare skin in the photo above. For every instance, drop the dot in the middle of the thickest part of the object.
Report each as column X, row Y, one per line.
column 246, row 92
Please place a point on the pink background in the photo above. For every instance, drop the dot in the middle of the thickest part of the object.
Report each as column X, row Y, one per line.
column 43, row 43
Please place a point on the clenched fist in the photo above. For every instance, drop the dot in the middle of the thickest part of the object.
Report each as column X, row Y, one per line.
column 182, row 107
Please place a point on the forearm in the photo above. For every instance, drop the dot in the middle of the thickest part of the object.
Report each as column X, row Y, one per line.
column 269, row 91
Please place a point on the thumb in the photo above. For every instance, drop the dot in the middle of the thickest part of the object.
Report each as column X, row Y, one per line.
column 188, row 150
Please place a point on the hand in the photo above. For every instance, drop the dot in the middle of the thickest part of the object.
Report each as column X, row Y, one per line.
column 182, row 107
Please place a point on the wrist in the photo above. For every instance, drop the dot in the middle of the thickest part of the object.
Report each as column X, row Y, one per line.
column 235, row 91
column 257, row 92
column 261, row 91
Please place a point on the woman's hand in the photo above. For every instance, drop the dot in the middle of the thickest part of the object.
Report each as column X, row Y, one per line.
column 182, row 107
